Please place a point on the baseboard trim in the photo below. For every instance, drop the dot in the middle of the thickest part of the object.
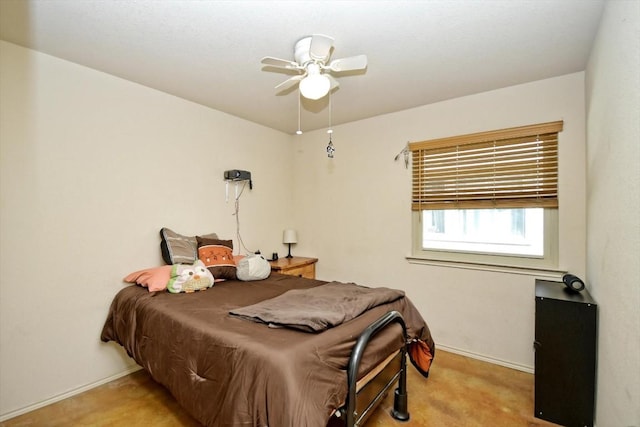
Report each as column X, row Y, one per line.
column 472, row 355
column 67, row 394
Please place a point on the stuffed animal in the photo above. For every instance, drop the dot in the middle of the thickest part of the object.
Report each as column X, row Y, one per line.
column 189, row 278
column 253, row 267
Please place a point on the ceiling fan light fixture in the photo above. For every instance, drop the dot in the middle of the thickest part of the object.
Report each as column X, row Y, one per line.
column 315, row 86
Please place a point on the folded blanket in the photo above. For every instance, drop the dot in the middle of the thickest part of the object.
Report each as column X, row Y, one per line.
column 318, row 308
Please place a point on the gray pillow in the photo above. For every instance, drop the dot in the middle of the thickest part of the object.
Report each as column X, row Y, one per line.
column 179, row 249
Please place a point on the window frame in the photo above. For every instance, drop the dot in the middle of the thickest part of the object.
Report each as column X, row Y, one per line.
column 549, row 261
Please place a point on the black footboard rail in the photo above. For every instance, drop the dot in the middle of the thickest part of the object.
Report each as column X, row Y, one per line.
column 400, row 410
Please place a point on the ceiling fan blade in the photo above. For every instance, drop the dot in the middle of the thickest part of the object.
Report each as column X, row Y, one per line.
column 281, row 63
column 320, row 47
column 347, row 64
column 289, row 82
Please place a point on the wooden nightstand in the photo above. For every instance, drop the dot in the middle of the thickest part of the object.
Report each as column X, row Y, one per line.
column 295, row 266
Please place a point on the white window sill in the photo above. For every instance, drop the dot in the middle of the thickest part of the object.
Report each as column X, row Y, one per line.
column 528, row 271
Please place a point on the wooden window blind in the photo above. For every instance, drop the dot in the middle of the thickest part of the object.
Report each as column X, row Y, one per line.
column 509, row 168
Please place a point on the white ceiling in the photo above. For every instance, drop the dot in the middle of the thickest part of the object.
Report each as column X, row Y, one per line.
column 209, row 52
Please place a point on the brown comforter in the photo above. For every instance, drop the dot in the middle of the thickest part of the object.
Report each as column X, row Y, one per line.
column 226, row 371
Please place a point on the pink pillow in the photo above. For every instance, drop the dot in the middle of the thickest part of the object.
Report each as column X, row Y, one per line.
column 155, row 279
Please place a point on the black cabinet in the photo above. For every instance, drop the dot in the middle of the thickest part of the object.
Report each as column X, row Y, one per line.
column 565, row 355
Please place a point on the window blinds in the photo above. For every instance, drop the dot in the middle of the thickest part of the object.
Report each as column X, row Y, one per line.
column 509, row 168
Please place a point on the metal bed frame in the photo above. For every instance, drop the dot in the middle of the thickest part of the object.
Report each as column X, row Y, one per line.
column 360, row 403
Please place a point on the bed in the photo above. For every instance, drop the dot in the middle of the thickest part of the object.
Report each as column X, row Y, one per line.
column 226, row 370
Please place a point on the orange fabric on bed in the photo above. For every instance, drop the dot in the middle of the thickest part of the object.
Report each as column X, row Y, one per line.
column 156, row 279
column 420, row 355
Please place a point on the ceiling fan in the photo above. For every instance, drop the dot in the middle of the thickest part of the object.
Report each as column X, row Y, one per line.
column 311, row 55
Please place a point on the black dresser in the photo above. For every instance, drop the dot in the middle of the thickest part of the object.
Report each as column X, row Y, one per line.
column 565, row 355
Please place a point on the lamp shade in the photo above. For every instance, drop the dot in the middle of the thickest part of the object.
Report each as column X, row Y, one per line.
column 315, row 86
column 289, row 236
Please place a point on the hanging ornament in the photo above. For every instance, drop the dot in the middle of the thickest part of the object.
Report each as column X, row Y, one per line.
column 330, row 148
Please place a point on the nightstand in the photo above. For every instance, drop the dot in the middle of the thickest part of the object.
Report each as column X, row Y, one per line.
column 295, row 266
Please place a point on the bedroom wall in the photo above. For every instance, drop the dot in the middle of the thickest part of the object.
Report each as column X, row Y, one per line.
column 92, row 166
column 613, row 204
column 353, row 213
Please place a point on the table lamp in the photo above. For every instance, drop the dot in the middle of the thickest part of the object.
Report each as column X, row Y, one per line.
column 289, row 236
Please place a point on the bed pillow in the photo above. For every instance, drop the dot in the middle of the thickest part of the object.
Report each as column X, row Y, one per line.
column 189, row 278
column 155, row 279
column 179, row 249
column 253, row 267
column 217, row 256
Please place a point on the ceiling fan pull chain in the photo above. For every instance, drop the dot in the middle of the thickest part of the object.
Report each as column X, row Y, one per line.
column 330, row 147
column 330, row 130
column 299, row 131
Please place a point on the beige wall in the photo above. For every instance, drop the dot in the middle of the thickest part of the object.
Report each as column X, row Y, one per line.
column 613, row 207
column 92, row 167
column 353, row 212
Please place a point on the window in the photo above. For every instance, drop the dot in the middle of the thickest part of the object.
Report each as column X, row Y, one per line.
column 517, row 231
column 488, row 198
